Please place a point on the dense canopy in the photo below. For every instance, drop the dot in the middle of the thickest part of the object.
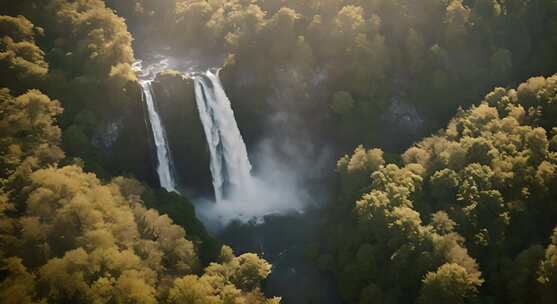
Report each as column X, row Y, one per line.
column 65, row 235
column 467, row 214
column 464, row 214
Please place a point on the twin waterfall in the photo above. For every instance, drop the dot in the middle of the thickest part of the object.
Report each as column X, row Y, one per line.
column 164, row 162
column 229, row 163
column 147, row 75
column 230, row 166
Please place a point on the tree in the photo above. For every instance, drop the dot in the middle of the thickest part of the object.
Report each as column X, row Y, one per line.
column 349, row 22
column 416, row 48
column 29, row 133
column 522, row 282
column 19, row 287
column 80, row 240
column 451, row 283
column 356, row 169
column 501, row 64
column 457, row 22
column 280, row 30
column 96, row 242
column 342, row 103
column 192, row 290
column 480, row 187
column 19, row 54
column 548, row 271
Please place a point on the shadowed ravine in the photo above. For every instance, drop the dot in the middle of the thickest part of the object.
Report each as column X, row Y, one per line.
column 283, row 240
column 262, row 212
column 268, row 152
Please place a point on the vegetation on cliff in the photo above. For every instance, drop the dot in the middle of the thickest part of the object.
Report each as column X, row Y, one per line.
column 65, row 235
column 466, row 215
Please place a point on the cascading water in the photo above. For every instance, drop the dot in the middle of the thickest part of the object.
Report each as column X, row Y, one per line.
column 164, row 162
column 230, row 165
column 239, row 195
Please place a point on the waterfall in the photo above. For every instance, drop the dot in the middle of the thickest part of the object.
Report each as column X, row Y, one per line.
column 164, row 162
column 229, row 164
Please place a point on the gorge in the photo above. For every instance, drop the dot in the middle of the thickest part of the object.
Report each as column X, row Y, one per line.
column 273, row 151
column 259, row 204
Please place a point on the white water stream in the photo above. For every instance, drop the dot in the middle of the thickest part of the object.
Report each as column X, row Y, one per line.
column 230, row 165
column 165, row 170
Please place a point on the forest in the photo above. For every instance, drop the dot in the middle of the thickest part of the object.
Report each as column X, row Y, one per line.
column 278, row 151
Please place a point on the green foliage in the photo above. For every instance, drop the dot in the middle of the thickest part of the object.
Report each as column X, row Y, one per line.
column 98, row 39
column 522, row 284
column 83, row 241
column 548, row 271
column 449, row 284
column 233, row 281
column 422, row 53
column 182, row 212
column 484, row 187
column 356, row 170
column 65, row 235
column 21, row 58
column 29, row 138
column 474, row 202
column 342, row 103
column 78, row 52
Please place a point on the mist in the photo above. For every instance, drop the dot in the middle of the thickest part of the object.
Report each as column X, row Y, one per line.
column 279, row 186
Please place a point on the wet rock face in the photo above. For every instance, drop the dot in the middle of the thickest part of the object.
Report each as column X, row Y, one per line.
column 108, row 135
column 248, row 96
column 175, row 101
column 401, row 125
column 283, row 103
column 126, row 143
column 404, row 116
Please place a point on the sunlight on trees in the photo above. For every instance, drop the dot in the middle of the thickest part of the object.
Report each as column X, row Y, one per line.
column 465, row 215
column 461, row 199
